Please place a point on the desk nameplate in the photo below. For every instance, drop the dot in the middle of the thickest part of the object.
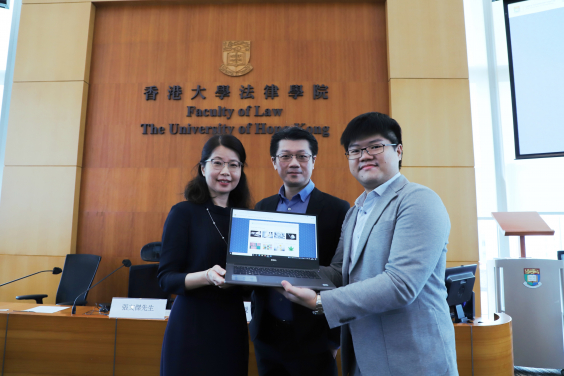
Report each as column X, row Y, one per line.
column 133, row 308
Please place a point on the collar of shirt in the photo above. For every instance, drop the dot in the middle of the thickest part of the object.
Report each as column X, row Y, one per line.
column 365, row 202
column 303, row 194
column 298, row 203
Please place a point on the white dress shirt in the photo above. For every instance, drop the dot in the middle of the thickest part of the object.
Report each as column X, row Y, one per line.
column 365, row 203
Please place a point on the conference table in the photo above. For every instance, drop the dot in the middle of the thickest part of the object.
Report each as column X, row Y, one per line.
column 86, row 343
column 89, row 343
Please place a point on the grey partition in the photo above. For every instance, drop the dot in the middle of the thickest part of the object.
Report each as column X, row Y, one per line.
column 531, row 292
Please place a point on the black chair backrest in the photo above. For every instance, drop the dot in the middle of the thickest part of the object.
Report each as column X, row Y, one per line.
column 78, row 274
column 143, row 282
column 151, row 252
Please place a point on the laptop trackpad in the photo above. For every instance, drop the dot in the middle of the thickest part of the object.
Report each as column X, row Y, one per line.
column 244, row 278
column 273, row 280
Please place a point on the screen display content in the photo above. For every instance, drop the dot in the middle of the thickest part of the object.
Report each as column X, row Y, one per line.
column 272, row 235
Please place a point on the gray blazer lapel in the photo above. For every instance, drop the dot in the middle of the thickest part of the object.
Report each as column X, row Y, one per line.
column 377, row 211
column 347, row 243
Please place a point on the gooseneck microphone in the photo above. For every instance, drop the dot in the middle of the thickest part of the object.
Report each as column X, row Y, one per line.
column 54, row 271
column 125, row 263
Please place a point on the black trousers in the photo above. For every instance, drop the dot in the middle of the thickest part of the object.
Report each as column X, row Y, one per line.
column 273, row 362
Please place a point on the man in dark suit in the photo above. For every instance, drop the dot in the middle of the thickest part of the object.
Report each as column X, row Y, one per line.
column 288, row 338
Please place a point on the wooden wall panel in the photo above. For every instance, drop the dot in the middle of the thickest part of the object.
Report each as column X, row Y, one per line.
column 41, row 181
column 17, row 266
column 131, row 180
column 38, row 211
column 426, row 39
column 435, row 119
column 53, row 42
column 58, row 108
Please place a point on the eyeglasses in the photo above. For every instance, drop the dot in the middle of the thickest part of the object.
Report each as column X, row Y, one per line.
column 370, row 150
column 217, row 164
column 299, row 157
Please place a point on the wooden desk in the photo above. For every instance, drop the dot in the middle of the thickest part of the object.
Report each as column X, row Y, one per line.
column 63, row 344
column 485, row 347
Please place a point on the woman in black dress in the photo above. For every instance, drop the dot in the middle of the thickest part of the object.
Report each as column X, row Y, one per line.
column 206, row 332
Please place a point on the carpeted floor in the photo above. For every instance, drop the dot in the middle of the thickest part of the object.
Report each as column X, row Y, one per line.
column 523, row 371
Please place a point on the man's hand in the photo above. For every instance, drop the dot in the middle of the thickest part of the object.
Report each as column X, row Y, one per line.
column 299, row 295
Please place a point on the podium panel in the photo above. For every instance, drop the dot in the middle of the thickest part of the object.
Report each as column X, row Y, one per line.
column 485, row 347
column 3, row 331
column 54, row 345
column 138, row 347
column 531, row 292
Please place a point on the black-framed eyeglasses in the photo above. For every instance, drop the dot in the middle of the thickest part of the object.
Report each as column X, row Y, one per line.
column 288, row 157
column 217, row 164
column 371, row 150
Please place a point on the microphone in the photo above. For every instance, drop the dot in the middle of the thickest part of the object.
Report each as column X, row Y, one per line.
column 125, row 263
column 54, row 271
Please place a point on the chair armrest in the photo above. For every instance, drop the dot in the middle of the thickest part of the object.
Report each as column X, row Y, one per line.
column 37, row 297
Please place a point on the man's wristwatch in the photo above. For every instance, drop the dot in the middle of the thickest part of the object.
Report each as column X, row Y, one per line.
column 318, row 306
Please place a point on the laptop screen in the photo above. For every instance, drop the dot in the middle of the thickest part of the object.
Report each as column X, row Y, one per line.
column 272, row 236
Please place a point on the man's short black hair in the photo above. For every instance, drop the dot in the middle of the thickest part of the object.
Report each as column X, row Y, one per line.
column 294, row 134
column 371, row 124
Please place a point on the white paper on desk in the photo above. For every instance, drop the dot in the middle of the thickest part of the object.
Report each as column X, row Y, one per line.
column 45, row 309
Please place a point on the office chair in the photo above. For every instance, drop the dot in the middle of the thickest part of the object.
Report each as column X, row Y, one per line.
column 151, row 252
column 143, row 282
column 78, row 273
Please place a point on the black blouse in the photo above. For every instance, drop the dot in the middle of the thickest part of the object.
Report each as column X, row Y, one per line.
column 191, row 243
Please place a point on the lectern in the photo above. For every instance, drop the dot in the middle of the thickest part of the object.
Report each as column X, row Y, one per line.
column 531, row 292
column 522, row 224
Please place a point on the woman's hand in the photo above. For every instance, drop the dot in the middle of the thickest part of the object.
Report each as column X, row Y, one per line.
column 215, row 276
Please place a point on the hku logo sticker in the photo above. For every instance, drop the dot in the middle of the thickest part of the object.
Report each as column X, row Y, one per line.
column 236, row 55
column 532, row 278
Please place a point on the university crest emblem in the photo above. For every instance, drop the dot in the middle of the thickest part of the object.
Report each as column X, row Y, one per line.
column 532, row 278
column 236, row 55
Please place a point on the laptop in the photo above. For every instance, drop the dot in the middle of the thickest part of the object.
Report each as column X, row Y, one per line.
column 265, row 248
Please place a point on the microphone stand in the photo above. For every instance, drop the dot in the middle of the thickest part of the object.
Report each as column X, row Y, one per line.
column 73, row 310
column 15, row 280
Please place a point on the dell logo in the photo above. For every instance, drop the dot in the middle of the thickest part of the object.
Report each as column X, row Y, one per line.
column 273, row 260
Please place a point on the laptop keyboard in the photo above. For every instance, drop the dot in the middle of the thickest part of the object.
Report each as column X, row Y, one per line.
column 275, row 272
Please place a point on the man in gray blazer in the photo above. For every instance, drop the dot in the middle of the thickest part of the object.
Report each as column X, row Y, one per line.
column 390, row 262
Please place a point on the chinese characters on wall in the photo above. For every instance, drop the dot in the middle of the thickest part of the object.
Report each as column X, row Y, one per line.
column 270, row 92
column 245, row 92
